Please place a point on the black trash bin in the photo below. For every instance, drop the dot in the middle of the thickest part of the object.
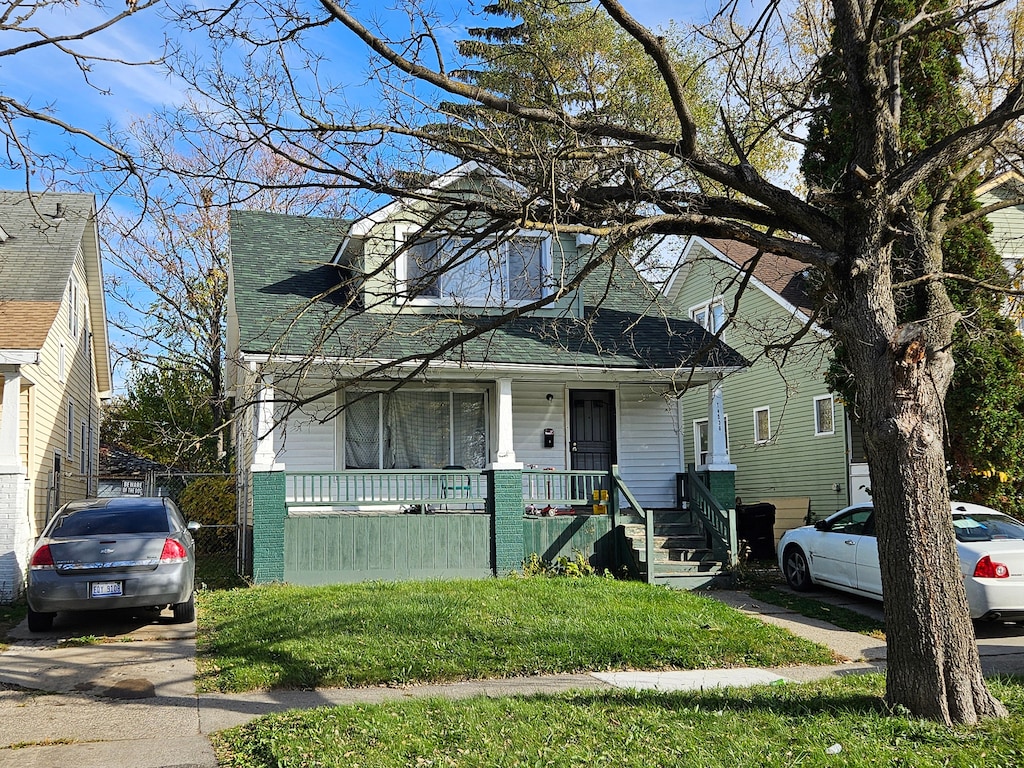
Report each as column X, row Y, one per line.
column 755, row 525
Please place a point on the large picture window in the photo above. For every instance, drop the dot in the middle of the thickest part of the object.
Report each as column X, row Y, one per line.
column 485, row 272
column 411, row 429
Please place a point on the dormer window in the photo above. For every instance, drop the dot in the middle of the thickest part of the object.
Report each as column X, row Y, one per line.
column 478, row 271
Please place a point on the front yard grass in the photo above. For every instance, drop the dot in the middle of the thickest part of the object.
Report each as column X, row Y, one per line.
column 416, row 632
column 839, row 722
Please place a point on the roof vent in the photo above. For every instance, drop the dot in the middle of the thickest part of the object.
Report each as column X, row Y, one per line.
column 3, row 235
column 60, row 212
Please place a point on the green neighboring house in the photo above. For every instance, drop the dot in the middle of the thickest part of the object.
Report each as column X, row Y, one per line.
column 789, row 437
column 388, row 428
column 1008, row 233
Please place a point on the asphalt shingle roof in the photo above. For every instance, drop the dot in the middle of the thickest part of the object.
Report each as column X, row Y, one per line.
column 36, row 259
column 288, row 302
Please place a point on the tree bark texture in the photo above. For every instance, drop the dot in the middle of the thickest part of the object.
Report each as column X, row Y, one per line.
column 903, row 372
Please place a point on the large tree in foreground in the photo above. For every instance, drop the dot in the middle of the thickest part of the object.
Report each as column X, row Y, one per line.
column 872, row 235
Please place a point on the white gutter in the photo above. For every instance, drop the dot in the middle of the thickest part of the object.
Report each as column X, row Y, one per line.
column 481, row 367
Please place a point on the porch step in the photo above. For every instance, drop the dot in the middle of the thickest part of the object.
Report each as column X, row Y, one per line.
column 681, row 558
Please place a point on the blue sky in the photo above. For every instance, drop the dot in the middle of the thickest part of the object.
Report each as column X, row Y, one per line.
column 123, row 94
column 46, row 76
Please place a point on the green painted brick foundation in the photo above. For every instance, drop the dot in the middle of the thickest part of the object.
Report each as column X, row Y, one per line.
column 505, row 497
column 268, row 516
column 723, row 488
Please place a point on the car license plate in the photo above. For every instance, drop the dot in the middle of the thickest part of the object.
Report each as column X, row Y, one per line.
column 107, row 589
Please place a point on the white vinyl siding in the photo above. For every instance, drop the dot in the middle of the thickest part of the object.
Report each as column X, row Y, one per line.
column 306, row 442
column 533, row 413
column 649, row 451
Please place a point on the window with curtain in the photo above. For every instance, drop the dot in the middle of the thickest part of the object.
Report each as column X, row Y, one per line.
column 415, row 429
column 478, row 272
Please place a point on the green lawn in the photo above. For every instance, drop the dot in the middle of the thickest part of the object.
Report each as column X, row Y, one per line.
column 776, row 725
column 815, row 609
column 410, row 632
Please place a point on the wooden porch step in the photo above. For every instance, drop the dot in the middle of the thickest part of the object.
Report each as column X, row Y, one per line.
column 673, row 555
column 681, row 558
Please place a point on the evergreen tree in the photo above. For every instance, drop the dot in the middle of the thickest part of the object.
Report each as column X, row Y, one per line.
column 985, row 403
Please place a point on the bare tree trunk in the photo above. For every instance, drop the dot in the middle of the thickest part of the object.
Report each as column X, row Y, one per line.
column 903, row 373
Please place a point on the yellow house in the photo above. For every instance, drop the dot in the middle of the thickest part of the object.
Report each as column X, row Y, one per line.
column 54, row 365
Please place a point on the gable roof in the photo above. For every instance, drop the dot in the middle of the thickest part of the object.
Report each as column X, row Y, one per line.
column 785, row 276
column 43, row 235
column 287, row 304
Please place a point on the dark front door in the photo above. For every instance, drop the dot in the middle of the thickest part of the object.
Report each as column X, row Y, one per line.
column 592, row 429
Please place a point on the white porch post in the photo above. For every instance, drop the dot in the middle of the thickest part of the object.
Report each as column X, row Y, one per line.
column 10, row 418
column 265, row 457
column 718, row 448
column 506, row 457
column 16, row 534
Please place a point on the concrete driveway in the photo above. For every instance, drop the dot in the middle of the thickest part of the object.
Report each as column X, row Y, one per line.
column 101, row 692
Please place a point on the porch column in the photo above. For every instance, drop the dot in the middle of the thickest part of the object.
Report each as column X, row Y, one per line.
column 506, row 450
column 10, row 422
column 265, row 456
column 505, row 491
column 16, row 532
column 269, row 492
column 721, row 471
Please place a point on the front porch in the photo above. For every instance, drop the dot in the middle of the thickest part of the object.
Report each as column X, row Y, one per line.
column 355, row 525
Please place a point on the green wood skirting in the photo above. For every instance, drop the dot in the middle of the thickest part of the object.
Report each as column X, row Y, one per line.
column 331, row 549
column 552, row 537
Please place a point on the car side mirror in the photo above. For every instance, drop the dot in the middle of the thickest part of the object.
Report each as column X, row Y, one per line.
column 194, row 526
column 823, row 525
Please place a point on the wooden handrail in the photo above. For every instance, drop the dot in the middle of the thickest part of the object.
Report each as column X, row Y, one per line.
column 719, row 523
column 648, row 518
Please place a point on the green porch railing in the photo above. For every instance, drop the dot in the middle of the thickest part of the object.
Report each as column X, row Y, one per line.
column 383, row 488
column 720, row 524
column 562, row 487
column 648, row 517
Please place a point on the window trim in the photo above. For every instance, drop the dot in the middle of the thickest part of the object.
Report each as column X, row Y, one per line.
column 696, row 442
column 759, row 440
column 62, row 364
column 378, row 392
column 402, row 238
column 70, row 446
column 73, row 307
column 817, row 421
column 707, row 307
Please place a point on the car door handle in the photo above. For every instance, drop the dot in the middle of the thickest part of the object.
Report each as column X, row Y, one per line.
column 851, row 542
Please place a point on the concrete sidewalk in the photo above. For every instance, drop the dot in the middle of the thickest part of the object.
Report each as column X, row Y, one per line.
column 130, row 702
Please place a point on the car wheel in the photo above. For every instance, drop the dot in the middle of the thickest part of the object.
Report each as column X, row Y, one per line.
column 39, row 622
column 796, row 570
column 185, row 612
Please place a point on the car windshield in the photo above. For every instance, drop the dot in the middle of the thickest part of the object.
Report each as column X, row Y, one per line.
column 984, row 527
column 90, row 522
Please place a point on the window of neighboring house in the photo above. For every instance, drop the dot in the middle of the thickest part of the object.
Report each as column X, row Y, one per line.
column 83, row 450
column 710, row 315
column 483, row 272
column 413, row 429
column 762, row 425
column 824, row 415
column 700, row 439
column 61, row 363
column 73, row 307
column 71, row 432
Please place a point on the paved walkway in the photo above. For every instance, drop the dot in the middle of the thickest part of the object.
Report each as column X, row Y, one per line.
column 131, row 702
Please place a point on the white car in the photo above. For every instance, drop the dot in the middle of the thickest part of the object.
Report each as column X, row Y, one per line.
column 841, row 552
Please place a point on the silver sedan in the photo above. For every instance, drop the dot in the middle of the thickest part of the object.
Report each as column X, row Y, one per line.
column 101, row 554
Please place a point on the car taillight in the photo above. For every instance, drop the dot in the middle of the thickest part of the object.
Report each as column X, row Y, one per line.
column 173, row 552
column 986, row 569
column 42, row 558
